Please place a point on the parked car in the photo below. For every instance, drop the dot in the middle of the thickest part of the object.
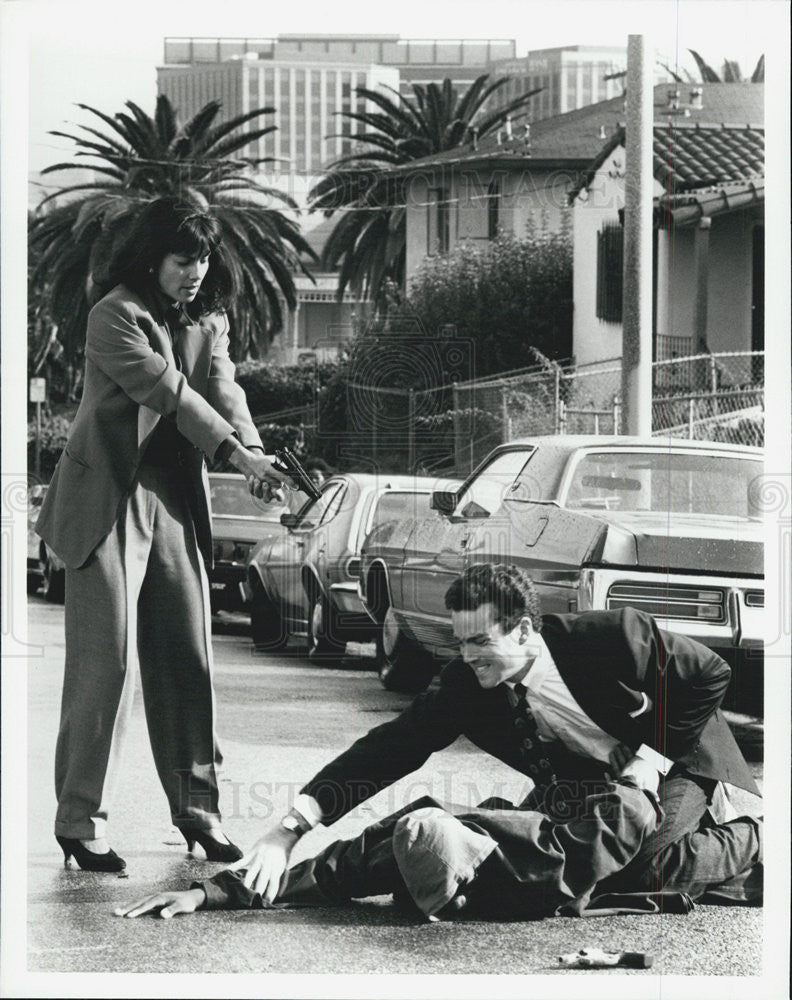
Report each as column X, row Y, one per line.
column 305, row 583
column 239, row 522
column 668, row 526
column 45, row 570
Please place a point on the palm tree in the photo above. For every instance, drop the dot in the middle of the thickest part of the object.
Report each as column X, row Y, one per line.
column 141, row 158
column 368, row 241
column 731, row 72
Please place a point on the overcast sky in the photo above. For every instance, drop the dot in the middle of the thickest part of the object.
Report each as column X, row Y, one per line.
column 82, row 51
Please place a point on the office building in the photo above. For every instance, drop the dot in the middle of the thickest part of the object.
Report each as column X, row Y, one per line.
column 306, row 95
column 572, row 77
column 417, row 60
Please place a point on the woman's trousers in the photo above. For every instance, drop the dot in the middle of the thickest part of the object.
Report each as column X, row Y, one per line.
column 141, row 601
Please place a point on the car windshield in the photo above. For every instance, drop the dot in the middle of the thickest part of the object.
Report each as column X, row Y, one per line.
column 315, row 512
column 664, row 482
column 485, row 493
column 231, row 498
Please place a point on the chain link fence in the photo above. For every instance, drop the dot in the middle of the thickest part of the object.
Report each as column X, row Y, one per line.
column 449, row 429
column 708, row 397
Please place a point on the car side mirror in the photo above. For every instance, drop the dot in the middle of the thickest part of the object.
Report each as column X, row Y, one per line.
column 289, row 520
column 443, row 501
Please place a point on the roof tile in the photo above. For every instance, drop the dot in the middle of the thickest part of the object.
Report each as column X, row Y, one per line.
column 577, row 135
column 691, row 156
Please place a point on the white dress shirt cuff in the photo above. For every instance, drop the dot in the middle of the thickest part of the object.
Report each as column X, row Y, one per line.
column 661, row 764
column 308, row 808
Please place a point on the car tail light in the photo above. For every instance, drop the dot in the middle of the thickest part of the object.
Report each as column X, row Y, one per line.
column 353, row 567
column 754, row 599
column 229, row 551
column 241, row 550
column 691, row 603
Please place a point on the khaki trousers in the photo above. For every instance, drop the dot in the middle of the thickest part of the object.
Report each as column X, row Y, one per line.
column 141, row 601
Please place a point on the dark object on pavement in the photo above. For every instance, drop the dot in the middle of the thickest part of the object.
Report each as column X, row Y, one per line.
column 595, row 958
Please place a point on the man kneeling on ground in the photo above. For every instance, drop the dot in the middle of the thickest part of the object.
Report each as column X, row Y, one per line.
column 614, row 720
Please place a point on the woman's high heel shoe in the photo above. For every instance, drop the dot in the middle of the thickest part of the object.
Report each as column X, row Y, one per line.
column 214, row 849
column 87, row 860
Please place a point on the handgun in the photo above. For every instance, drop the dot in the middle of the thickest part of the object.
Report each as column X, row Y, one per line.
column 596, row 958
column 288, row 463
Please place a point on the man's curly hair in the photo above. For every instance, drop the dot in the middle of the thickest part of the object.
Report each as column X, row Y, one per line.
column 508, row 588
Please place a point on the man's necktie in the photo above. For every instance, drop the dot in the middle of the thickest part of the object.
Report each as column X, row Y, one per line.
column 532, row 749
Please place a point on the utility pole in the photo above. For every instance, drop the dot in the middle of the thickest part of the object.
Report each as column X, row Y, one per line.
column 637, row 295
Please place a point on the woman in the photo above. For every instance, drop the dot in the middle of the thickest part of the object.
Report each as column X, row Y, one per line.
column 127, row 511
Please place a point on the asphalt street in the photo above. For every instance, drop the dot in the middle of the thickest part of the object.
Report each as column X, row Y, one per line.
column 279, row 719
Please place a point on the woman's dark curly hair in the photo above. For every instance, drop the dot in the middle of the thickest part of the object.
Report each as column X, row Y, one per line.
column 508, row 588
column 170, row 225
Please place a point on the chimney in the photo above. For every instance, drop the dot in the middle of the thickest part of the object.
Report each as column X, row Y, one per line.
column 673, row 99
column 602, row 133
column 509, row 133
column 500, row 137
column 475, row 131
column 697, row 98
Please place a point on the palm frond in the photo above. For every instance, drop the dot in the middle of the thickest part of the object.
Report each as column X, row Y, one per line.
column 233, row 143
column 201, row 121
column 114, row 123
column 731, row 71
column 708, row 74
column 76, row 230
column 93, row 148
column 221, row 131
column 495, row 120
column 146, row 125
column 165, row 120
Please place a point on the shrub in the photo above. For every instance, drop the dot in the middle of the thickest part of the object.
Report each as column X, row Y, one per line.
column 54, row 431
column 505, row 297
column 269, row 389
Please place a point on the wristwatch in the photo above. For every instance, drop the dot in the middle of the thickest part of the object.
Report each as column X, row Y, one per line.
column 294, row 823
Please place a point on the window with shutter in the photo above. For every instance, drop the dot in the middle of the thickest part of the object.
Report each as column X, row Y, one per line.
column 610, row 258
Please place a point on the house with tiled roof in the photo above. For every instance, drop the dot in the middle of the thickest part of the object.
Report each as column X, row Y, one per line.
column 708, row 242
column 523, row 174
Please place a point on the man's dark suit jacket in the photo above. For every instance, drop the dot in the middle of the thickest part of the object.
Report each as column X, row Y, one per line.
column 608, row 660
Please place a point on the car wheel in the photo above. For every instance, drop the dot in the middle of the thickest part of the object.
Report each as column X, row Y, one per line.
column 54, row 586
column 324, row 643
column 267, row 627
column 402, row 665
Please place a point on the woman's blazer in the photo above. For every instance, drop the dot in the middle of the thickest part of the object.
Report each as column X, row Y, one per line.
column 131, row 381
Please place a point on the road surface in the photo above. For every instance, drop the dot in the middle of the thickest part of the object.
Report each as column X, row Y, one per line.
column 279, row 719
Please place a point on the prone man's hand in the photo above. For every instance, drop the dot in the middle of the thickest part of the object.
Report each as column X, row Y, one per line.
column 168, row 903
column 620, row 756
column 266, row 862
